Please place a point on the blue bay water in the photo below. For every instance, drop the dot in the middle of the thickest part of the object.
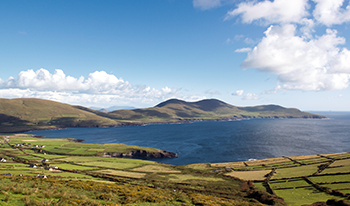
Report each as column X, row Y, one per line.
column 227, row 141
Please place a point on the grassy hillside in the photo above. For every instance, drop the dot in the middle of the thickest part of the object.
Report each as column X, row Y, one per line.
column 210, row 109
column 18, row 115
column 91, row 180
column 26, row 114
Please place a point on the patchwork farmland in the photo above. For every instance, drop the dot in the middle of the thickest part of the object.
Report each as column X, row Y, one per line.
column 92, row 178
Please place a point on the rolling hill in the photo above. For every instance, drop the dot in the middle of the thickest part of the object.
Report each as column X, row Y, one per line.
column 18, row 115
column 32, row 114
column 209, row 109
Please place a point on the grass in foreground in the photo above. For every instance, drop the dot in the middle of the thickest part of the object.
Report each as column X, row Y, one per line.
column 92, row 180
column 299, row 180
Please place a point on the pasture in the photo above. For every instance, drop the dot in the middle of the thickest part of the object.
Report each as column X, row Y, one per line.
column 298, row 180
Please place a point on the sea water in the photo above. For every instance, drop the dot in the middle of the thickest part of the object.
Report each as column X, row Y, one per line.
column 227, row 141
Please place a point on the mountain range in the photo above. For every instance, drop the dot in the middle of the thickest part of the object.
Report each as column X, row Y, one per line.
column 17, row 115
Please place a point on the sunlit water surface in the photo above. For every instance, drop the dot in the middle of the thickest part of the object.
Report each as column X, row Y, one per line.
column 227, row 141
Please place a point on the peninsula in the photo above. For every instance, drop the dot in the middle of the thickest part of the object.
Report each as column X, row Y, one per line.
column 24, row 114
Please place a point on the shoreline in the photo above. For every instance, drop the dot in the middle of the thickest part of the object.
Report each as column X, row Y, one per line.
column 167, row 122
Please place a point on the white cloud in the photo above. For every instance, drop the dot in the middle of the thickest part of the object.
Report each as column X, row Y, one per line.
column 330, row 12
column 278, row 11
column 243, row 50
column 308, row 28
column 250, row 96
column 238, row 93
column 166, row 90
column 99, row 89
column 316, row 64
column 206, row 4
column 291, row 50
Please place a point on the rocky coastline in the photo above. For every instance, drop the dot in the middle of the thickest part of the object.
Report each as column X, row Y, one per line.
column 142, row 154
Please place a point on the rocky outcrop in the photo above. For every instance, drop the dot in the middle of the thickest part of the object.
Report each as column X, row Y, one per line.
column 142, row 154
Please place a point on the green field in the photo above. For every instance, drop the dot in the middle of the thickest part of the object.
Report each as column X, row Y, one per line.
column 298, row 180
column 302, row 196
column 330, row 178
column 78, row 162
column 291, row 183
column 69, row 147
column 300, row 171
column 290, row 179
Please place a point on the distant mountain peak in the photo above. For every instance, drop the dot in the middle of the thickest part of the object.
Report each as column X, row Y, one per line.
column 211, row 104
column 205, row 104
column 171, row 101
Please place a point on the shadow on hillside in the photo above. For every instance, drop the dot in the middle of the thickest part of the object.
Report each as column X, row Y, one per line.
column 11, row 119
column 75, row 122
column 152, row 113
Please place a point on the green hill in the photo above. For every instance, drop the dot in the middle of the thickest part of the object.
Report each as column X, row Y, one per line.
column 18, row 115
column 209, row 109
column 30, row 114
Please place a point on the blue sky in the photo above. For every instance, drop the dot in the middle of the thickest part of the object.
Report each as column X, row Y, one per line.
column 139, row 53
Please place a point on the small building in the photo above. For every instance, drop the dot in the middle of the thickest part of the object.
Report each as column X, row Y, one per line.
column 51, row 168
column 2, row 160
column 39, row 176
column 33, row 166
column 8, row 174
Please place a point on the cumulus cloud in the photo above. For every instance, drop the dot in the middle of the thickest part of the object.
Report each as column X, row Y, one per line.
column 238, row 93
column 330, row 12
column 99, row 89
column 98, row 82
column 317, row 64
column 206, row 4
column 278, row 11
column 290, row 47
